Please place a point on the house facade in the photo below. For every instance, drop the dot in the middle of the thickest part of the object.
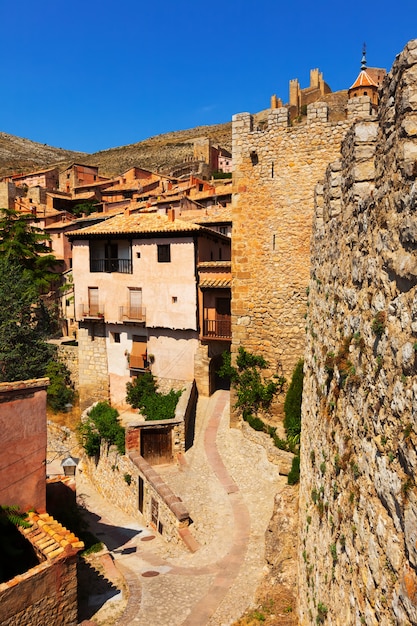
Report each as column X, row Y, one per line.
column 139, row 305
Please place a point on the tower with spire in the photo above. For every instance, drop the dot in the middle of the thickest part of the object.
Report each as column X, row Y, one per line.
column 368, row 81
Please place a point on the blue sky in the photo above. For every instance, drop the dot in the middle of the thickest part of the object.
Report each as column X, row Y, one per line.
column 89, row 75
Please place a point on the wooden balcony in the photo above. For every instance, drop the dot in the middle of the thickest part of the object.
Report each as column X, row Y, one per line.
column 132, row 314
column 218, row 329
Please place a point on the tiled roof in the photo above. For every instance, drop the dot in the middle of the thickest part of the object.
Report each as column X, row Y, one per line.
column 137, row 223
column 215, row 264
column 364, row 80
column 215, row 282
column 85, row 195
column 49, row 537
column 24, row 384
column 211, row 215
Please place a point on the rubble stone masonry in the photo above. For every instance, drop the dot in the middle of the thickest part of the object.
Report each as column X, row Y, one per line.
column 358, row 498
column 275, row 171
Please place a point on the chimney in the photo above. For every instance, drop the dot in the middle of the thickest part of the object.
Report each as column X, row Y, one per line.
column 171, row 215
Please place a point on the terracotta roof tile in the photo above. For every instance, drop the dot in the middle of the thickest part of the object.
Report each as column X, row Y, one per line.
column 137, row 223
column 215, row 282
column 364, row 80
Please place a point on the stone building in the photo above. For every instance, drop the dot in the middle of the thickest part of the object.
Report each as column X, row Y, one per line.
column 358, row 502
column 275, row 171
column 151, row 292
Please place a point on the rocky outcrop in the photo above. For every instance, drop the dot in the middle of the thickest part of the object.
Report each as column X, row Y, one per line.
column 358, row 501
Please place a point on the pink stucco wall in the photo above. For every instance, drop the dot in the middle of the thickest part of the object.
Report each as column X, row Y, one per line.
column 23, row 439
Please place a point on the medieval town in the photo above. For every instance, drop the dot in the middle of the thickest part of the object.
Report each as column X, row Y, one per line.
column 208, row 371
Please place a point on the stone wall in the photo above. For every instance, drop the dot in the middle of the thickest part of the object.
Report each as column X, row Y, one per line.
column 116, row 478
column 69, row 356
column 275, row 171
column 92, row 364
column 358, row 500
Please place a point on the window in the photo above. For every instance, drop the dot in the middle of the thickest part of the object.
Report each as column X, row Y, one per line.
column 116, row 337
column 93, row 303
column 164, row 253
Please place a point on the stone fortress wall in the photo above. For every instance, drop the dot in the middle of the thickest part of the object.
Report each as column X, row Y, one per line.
column 358, row 500
column 275, row 172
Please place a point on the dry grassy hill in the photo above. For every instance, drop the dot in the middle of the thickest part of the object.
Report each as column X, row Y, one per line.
column 18, row 155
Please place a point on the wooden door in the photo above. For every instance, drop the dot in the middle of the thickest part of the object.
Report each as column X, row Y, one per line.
column 156, row 445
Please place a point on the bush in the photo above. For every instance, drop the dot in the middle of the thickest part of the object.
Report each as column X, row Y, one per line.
column 254, row 393
column 294, row 473
column 101, row 425
column 143, row 394
column 59, row 392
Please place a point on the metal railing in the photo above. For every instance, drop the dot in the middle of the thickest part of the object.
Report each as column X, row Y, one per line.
column 92, row 311
column 132, row 313
column 122, row 266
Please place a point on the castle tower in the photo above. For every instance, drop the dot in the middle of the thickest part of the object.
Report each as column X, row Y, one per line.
column 367, row 82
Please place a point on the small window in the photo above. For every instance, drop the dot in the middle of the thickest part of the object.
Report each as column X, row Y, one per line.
column 116, row 337
column 164, row 253
column 174, row 299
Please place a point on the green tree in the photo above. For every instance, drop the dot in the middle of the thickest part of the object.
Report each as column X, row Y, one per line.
column 292, row 404
column 25, row 244
column 102, row 425
column 85, row 208
column 24, row 353
column 60, row 392
column 292, row 419
column 253, row 391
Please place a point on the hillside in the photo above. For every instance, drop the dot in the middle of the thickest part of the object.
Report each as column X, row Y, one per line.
column 18, row 155
column 23, row 155
column 167, row 149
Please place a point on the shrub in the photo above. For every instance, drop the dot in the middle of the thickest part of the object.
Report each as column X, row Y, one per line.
column 142, row 394
column 294, row 473
column 379, row 323
column 101, row 425
column 254, row 393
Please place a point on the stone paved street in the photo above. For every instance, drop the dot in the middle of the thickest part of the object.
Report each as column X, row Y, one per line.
column 228, row 485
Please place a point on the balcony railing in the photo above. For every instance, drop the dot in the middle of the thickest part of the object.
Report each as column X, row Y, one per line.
column 92, row 311
column 217, row 329
column 132, row 313
column 122, row 266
